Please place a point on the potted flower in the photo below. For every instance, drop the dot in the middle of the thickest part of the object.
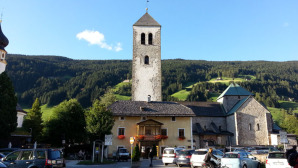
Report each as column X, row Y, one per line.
column 121, row 136
column 158, row 137
column 140, row 137
column 181, row 138
column 164, row 137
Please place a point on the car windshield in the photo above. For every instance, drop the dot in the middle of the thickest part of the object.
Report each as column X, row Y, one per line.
column 185, row 152
column 168, row 151
column 56, row 154
column 230, row 155
column 200, row 152
column 276, row 155
column 123, row 150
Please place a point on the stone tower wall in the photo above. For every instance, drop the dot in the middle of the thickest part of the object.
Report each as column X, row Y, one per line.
column 146, row 78
column 252, row 112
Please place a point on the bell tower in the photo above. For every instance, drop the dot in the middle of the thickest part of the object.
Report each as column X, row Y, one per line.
column 146, row 63
column 3, row 43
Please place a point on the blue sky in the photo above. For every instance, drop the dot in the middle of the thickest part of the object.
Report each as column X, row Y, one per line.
column 213, row 30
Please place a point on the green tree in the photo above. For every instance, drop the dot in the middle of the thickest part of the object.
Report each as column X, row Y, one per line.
column 67, row 121
column 33, row 121
column 108, row 98
column 136, row 154
column 99, row 120
column 8, row 103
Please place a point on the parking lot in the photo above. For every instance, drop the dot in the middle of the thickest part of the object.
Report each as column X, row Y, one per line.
column 144, row 164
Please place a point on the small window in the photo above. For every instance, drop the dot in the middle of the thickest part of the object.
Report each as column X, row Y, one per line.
column 121, row 118
column 164, row 132
column 41, row 154
column 181, row 132
column 173, row 118
column 13, row 156
column 150, row 39
column 143, row 38
column 249, row 127
column 205, row 128
column 3, row 55
column 146, row 60
column 121, row 131
column 219, row 128
column 144, row 118
column 258, row 127
column 26, row 155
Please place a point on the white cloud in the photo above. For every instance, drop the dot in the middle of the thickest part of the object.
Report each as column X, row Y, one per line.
column 97, row 38
column 286, row 24
column 118, row 47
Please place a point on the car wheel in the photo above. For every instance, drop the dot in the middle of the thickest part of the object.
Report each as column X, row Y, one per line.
column 165, row 164
column 178, row 165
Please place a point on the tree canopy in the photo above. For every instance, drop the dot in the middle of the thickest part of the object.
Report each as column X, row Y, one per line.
column 8, row 103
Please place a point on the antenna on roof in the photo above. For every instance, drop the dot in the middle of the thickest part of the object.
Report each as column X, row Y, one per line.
column 147, row 6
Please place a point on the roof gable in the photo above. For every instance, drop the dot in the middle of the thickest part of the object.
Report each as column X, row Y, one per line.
column 146, row 20
column 235, row 90
column 237, row 106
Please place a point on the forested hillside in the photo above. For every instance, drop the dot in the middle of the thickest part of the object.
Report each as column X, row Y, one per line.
column 53, row 79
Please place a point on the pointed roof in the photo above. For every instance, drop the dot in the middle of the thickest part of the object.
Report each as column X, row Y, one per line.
column 146, row 20
column 3, row 40
column 235, row 90
column 238, row 105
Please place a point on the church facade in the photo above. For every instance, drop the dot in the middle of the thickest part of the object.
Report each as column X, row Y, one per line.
column 236, row 119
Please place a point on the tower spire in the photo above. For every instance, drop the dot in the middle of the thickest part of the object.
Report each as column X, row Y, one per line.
column 147, row 6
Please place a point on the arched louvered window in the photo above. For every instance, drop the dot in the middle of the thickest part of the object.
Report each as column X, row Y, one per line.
column 146, row 60
column 143, row 37
column 150, row 41
column 249, row 127
column 258, row 127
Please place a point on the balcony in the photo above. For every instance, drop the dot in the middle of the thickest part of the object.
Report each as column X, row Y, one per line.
column 149, row 130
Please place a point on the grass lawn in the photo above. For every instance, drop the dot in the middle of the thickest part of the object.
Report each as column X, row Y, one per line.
column 121, row 97
column 288, row 104
column 46, row 112
column 181, row 95
column 226, row 80
column 276, row 114
column 120, row 84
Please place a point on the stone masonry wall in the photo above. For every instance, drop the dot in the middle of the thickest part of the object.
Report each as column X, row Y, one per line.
column 146, row 78
column 252, row 113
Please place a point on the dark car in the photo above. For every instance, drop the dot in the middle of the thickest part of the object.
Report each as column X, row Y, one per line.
column 6, row 151
column 37, row 158
column 2, row 165
column 183, row 157
column 1, row 156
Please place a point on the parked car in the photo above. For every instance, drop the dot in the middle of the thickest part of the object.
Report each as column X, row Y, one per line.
column 239, row 160
column 6, row 151
column 2, row 165
column 197, row 158
column 122, row 154
column 37, row 158
column 277, row 160
column 183, row 157
column 1, row 156
column 169, row 155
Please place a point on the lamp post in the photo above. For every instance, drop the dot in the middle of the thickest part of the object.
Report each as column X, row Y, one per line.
column 131, row 143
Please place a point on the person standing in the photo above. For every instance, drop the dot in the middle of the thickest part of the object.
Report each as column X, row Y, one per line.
column 151, row 155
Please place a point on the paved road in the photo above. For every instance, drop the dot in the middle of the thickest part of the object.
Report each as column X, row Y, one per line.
column 145, row 164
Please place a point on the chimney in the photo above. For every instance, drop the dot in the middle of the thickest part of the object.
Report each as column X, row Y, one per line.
column 149, row 98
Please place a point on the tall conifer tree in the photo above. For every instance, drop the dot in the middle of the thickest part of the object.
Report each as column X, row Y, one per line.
column 8, row 103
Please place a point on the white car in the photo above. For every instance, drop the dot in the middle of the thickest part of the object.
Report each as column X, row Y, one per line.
column 169, row 155
column 197, row 158
column 239, row 160
column 277, row 160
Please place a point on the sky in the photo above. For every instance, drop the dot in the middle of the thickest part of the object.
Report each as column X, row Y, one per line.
column 212, row 30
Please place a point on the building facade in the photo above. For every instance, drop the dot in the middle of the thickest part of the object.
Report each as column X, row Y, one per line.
column 3, row 43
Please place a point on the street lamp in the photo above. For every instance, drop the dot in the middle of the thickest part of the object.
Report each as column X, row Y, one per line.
column 132, row 140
